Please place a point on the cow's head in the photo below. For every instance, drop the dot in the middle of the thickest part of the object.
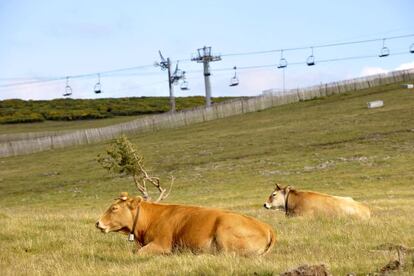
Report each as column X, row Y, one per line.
column 119, row 215
column 277, row 198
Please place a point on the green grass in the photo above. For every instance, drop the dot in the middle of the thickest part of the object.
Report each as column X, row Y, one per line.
column 50, row 200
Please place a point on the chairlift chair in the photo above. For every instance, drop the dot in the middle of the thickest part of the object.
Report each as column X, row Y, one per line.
column 311, row 59
column 282, row 62
column 68, row 89
column 97, row 87
column 412, row 48
column 234, row 81
column 184, row 83
column 384, row 50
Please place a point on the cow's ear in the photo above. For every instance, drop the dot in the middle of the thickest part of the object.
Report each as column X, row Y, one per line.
column 277, row 187
column 134, row 202
column 288, row 188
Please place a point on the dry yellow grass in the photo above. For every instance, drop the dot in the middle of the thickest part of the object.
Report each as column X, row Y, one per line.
column 50, row 200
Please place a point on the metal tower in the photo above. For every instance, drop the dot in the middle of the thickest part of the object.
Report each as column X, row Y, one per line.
column 205, row 57
column 173, row 78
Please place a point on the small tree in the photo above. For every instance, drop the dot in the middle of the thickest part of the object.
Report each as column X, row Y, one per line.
column 122, row 158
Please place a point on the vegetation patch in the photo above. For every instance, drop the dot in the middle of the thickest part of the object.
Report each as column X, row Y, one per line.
column 230, row 163
column 15, row 111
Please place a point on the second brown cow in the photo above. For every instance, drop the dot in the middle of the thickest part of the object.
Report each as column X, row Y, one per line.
column 307, row 203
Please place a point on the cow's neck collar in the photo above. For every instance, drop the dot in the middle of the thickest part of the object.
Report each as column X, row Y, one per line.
column 131, row 236
column 286, row 202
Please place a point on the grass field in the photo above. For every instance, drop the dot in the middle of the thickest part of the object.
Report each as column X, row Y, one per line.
column 50, row 200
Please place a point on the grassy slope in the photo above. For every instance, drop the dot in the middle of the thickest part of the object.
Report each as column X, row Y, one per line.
column 50, row 200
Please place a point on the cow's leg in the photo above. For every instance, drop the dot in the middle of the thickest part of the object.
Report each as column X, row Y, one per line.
column 153, row 249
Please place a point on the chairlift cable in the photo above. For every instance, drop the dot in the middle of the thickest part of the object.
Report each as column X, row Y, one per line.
column 113, row 73
column 4, row 86
column 316, row 46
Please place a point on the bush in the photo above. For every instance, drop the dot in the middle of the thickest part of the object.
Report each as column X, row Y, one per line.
column 21, row 118
column 20, row 111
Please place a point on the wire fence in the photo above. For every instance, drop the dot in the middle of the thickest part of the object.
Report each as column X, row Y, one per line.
column 35, row 142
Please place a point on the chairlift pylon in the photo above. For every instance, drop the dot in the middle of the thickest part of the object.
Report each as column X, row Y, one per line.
column 412, row 48
column 310, row 61
column 282, row 62
column 234, row 81
column 97, row 87
column 384, row 50
column 68, row 89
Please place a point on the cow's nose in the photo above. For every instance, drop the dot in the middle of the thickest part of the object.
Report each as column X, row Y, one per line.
column 264, row 205
column 97, row 224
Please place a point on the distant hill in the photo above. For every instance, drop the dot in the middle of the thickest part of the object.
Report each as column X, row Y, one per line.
column 21, row 111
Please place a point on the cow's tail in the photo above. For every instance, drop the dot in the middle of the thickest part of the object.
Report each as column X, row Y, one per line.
column 272, row 241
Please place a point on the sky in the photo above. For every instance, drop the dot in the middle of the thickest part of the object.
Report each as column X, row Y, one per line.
column 42, row 42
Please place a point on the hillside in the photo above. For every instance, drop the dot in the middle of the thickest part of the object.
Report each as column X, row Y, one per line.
column 50, row 200
column 20, row 111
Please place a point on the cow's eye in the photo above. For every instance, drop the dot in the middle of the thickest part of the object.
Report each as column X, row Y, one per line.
column 274, row 194
column 114, row 208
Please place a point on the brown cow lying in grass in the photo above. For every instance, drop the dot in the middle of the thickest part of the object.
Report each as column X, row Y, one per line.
column 302, row 203
column 164, row 228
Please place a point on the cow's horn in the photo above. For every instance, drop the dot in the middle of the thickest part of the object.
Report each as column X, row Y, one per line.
column 123, row 196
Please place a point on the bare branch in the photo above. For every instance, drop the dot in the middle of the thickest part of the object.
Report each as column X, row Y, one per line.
column 123, row 158
column 163, row 192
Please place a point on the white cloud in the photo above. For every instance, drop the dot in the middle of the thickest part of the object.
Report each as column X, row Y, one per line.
column 405, row 66
column 368, row 71
column 254, row 82
column 32, row 92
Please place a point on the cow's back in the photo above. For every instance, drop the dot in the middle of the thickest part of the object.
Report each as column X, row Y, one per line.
column 312, row 203
column 213, row 230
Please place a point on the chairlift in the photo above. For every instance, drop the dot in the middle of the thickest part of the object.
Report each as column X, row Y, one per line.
column 412, row 48
column 184, row 83
column 234, row 81
column 97, row 88
column 68, row 89
column 384, row 50
column 283, row 62
column 176, row 75
column 311, row 59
